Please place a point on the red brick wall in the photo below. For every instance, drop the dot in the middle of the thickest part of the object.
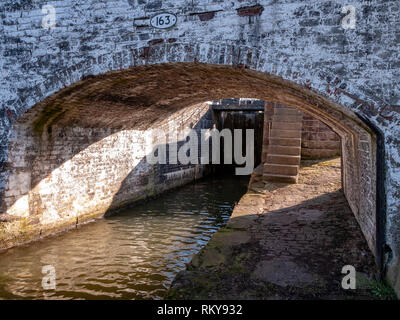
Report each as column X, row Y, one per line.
column 318, row 140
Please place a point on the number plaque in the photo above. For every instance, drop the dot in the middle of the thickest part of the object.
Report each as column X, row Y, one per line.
column 163, row 21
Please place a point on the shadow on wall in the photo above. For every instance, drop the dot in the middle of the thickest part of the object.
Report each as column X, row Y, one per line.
column 77, row 171
column 163, row 177
column 102, row 176
column 148, row 180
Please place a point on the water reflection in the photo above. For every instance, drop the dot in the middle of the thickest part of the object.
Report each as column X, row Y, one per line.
column 132, row 255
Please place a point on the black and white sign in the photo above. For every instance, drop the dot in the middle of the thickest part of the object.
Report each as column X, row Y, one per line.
column 163, row 21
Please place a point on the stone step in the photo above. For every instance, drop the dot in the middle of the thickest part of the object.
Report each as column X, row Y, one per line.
column 287, row 125
column 281, row 169
column 283, row 159
column 287, row 118
column 280, row 178
column 284, row 150
column 275, row 133
column 291, row 142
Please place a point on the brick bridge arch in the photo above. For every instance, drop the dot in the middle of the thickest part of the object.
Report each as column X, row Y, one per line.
column 295, row 53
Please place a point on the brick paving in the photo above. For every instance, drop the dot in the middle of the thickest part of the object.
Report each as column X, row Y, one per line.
column 284, row 242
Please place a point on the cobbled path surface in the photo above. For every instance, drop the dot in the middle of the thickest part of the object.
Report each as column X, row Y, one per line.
column 284, row 242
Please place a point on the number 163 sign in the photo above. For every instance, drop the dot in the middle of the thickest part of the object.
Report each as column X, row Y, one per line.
column 163, row 21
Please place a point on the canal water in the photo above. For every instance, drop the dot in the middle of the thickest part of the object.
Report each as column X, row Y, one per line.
column 134, row 254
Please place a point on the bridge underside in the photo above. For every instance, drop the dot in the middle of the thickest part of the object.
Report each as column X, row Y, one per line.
column 79, row 153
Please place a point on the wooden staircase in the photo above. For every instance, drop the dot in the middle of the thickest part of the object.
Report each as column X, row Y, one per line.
column 284, row 149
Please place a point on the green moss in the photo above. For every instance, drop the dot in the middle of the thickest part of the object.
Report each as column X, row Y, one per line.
column 382, row 290
column 172, row 295
column 225, row 230
column 243, row 256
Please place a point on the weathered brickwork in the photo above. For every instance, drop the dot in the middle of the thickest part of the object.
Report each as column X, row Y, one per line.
column 80, row 171
column 318, row 140
column 302, row 55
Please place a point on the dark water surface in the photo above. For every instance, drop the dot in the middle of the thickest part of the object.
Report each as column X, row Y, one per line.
column 134, row 254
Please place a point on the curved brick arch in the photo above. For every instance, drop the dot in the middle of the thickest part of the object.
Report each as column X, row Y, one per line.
column 138, row 98
column 324, row 80
column 299, row 41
